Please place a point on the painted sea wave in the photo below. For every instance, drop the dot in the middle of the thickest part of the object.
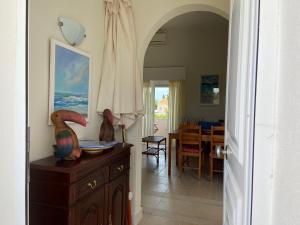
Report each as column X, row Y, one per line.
column 71, row 101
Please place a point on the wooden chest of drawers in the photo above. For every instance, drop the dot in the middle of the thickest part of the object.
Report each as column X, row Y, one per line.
column 90, row 191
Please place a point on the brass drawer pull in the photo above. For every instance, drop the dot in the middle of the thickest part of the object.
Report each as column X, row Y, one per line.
column 120, row 168
column 93, row 184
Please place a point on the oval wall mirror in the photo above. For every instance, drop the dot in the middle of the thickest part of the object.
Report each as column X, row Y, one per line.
column 72, row 31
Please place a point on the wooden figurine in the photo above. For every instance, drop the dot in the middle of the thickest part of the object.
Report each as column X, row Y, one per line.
column 67, row 146
column 107, row 132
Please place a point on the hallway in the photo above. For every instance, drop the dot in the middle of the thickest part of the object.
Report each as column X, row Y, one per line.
column 179, row 200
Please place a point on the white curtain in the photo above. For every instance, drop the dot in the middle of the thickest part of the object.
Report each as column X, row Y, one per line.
column 120, row 86
column 148, row 98
column 176, row 104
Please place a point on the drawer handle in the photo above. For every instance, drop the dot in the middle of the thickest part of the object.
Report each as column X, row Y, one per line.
column 93, row 184
column 120, row 168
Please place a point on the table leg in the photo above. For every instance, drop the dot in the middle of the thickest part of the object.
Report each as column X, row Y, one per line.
column 169, row 156
column 147, row 147
column 177, row 150
column 165, row 149
column 158, row 152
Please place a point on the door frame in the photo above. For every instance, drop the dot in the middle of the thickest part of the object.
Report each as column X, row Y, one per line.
column 14, row 117
column 265, row 112
column 266, row 92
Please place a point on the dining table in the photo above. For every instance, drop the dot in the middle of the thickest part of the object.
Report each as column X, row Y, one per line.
column 205, row 137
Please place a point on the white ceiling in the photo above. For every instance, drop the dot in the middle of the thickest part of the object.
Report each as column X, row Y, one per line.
column 196, row 19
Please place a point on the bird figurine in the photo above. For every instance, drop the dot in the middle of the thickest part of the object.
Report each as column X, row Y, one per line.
column 107, row 132
column 67, row 145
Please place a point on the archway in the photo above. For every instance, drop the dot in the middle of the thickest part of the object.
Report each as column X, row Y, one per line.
column 163, row 20
column 169, row 16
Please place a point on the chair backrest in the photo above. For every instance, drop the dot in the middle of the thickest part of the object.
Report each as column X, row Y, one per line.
column 217, row 137
column 190, row 134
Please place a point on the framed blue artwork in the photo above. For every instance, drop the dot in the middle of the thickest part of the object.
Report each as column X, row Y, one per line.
column 210, row 90
column 70, row 78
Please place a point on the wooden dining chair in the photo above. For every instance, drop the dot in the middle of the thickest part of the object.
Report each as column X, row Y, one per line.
column 189, row 145
column 217, row 138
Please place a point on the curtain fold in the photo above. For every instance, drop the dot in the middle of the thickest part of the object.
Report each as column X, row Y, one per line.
column 148, row 98
column 176, row 104
column 120, row 86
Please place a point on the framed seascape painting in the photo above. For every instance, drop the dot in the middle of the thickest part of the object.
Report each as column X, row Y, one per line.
column 69, row 79
column 210, row 90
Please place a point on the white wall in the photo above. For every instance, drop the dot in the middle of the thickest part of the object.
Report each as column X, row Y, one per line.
column 42, row 27
column 12, row 113
column 286, row 194
column 149, row 16
column 164, row 73
column 201, row 50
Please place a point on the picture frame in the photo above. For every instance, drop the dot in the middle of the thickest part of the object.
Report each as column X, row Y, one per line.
column 70, row 79
column 210, row 89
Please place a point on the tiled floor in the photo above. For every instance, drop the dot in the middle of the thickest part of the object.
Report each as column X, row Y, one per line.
column 184, row 200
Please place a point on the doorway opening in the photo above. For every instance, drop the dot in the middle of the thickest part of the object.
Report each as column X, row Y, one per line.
column 136, row 175
column 191, row 57
column 161, row 110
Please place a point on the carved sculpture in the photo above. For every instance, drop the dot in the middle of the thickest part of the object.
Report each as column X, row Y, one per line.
column 107, row 132
column 67, row 146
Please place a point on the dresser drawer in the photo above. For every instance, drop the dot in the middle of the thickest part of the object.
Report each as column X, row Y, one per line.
column 118, row 168
column 91, row 183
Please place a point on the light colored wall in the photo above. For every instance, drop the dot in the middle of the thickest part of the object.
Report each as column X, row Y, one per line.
column 12, row 113
column 42, row 27
column 164, row 73
column 149, row 16
column 201, row 51
column 286, row 193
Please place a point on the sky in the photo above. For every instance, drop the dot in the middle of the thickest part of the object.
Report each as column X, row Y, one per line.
column 71, row 71
column 160, row 91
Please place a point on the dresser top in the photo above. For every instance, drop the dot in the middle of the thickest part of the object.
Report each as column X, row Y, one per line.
column 53, row 164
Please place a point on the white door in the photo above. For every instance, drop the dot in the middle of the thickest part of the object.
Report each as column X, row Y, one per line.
column 240, row 111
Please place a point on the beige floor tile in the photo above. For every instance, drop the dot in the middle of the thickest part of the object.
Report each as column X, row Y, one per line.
column 179, row 200
column 151, row 201
column 156, row 220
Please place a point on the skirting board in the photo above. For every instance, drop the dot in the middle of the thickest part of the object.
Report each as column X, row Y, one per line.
column 137, row 216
